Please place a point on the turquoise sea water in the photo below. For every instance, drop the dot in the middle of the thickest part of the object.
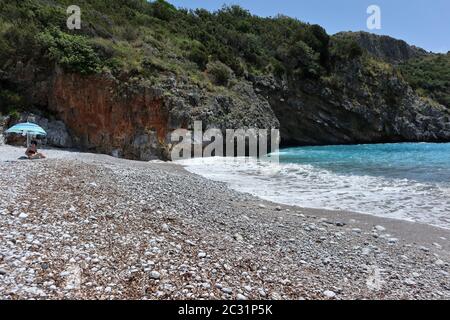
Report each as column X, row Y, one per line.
column 422, row 162
column 408, row 181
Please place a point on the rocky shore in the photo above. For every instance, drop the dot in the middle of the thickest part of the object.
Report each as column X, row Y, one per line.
column 83, row 226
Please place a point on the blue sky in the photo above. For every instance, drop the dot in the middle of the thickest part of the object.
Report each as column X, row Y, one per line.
column 424, row 23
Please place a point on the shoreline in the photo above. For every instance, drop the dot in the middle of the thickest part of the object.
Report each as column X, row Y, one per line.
column 183, row 237
column 412, row 231
column 368, row 181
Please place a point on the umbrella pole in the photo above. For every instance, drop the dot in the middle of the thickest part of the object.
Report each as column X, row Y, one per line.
column 28, row 140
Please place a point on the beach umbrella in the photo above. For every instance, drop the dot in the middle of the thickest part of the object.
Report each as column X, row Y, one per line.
column 28, row 129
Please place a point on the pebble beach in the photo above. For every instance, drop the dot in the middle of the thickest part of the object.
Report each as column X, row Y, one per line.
column 88, row 226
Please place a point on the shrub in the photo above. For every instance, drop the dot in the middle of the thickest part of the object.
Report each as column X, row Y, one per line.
column 70, row 51
column 199, row 56
column 345, row 49
column 220, row 72
column 51, row 16
column 163, row 10
column 130, row 33
column 278, row 68
column 21, row 41
column 10, row 101
column 299, row 59
column 14, row 115
column 320, row 42
column 5, row 48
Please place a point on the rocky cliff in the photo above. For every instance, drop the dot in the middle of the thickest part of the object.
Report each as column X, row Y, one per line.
column 124, row 82
column 105, row 118
column 384, row 47
column 357, row 107
column 133, row 119
column 3, row 126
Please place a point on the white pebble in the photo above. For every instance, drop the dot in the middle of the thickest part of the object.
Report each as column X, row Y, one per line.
column 329, row 294
column 227, row 290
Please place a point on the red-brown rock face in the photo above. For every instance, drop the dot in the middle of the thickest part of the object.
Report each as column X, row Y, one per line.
column 104, row 117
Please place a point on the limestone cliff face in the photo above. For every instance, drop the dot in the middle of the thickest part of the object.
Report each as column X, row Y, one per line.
column 135, row 121
column 132, row 119
column 384, row 47
column 355, row 108
column 105, row 118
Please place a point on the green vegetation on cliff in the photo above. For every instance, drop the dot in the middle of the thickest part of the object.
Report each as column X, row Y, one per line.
column 135, row 34
column 430, row 76
column 141, row 39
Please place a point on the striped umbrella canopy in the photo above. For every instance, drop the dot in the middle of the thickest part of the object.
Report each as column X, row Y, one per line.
column 27, row 128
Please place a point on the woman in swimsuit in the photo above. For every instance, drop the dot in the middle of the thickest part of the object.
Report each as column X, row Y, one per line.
column 32, row 153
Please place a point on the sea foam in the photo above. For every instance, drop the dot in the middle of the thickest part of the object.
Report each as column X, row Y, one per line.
column 311, row 186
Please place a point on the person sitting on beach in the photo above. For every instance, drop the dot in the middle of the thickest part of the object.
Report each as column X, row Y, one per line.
column 32, row 152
